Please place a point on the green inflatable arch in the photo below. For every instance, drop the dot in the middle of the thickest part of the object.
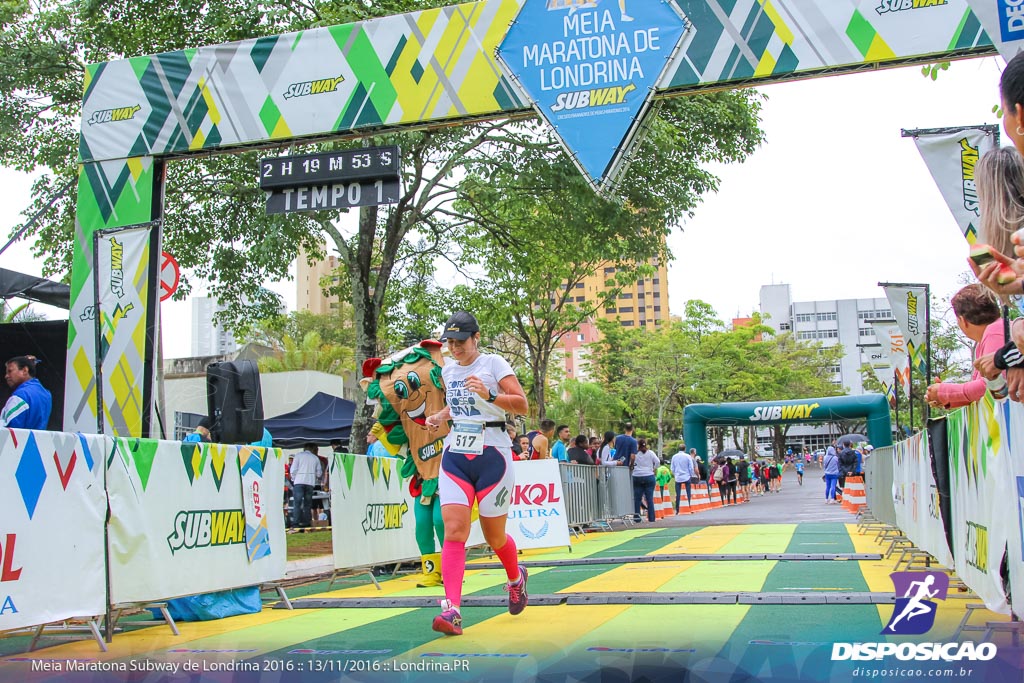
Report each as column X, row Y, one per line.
column 872, row 407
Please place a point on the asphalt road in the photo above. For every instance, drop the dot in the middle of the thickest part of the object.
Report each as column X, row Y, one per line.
column 792, row 505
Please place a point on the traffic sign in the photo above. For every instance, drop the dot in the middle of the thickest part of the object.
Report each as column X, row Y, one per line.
column 170, row 276
column 367, row 163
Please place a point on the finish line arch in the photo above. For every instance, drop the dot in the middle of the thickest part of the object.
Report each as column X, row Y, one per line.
column 427, row 69
column 872, row 407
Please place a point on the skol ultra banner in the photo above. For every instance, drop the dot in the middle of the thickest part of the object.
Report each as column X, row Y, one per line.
column 916, row 498
column 895, row 347
column 178, row 523
column 909, row 306
column 51, row 533
column 951, row 158
column 123, row 259
column 980, row 493
column 537, row 517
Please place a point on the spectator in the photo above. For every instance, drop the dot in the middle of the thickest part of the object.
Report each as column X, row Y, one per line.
column 559, row 449
column 524, row 447
column 542, row 441
column 830, row 463
column 305, row 472
column 625, row 445
column 684, row 470
column 595, row 444
column 30, row 403
column 731, row 477
column 201, row 433
column 578, row 452
column 644, row 463
column 977, row 314
column 847, row 467
column 721, row 475
column 702, row 469
column 517, row 451
column 606, row 451
column 743, row 478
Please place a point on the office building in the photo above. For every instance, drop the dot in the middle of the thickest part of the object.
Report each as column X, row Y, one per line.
column 208, row 337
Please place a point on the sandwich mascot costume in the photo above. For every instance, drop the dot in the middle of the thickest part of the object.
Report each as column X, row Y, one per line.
column 406, row 388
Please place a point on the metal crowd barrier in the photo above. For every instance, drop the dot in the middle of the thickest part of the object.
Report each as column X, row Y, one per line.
column 878, row 478
column 596, row 494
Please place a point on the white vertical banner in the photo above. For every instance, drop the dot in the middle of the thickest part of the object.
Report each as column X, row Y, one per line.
column 51, row 536
column 122, row 280
column 878, row 360
column 178, row 524
column 1015, row 534
column 537, row 517
column 909, row 305
column 980, row 486
column 895, row 348
column 951, row 156
column 916, row 498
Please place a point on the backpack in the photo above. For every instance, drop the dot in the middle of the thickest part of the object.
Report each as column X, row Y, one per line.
column 719, row 475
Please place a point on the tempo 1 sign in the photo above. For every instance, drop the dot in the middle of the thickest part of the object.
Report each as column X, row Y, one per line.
column 331, row 180
column 333, row 196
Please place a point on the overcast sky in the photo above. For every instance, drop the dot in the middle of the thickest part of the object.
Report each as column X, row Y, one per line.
column 834, row 202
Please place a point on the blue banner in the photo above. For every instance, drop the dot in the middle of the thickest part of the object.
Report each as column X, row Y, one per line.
column 589, row 68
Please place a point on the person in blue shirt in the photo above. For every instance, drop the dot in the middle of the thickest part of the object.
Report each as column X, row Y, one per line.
column 558, row 451
column 30, row 404
column 625, row 445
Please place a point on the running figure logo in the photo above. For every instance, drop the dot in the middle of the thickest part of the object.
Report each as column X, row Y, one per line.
column 915, row 611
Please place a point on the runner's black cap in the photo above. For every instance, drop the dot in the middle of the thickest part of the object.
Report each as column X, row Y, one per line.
column 461, row 325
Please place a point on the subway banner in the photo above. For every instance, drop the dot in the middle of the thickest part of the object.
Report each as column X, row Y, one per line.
column 122, row 278
column 951, row 157
column 980, row 484
column 910, row 308
column 916, row 498
column 51, row 536
column 178, row 518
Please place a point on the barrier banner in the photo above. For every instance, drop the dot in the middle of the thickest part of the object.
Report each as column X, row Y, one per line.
column 916, row 498
column 909, row 306
column 537, row 517
column 51, row 535
column 178, row 524
column 1015, row 518
column 895, row 348
column 951, row 157
column 980, row 486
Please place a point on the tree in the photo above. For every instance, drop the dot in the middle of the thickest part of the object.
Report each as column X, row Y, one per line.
column 22, row 313
column 588, row 405
column 311, row 354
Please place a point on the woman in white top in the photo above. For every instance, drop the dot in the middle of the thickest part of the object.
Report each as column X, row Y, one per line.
column 645, row 462
column 476, row 464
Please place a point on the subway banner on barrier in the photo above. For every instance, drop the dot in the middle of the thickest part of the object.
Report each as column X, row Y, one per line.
column 909, row 306
column 895, row 348
column 176, row 507
column 51, row 538
column 374, row 521
column 980, row 485
column 590, row 72
column 916, row 498
column 951, row 158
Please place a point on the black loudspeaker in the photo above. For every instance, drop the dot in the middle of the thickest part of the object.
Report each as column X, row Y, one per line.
column 234, row 402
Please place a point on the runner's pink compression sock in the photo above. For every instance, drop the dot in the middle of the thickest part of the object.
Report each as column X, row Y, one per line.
column 509, row 557
column 453, row 568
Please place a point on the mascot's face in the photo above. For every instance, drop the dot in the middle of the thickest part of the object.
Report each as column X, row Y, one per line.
column 414, row 391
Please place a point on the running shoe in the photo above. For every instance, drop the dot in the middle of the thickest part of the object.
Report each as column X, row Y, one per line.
column 449, row 621
column 517, row 596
